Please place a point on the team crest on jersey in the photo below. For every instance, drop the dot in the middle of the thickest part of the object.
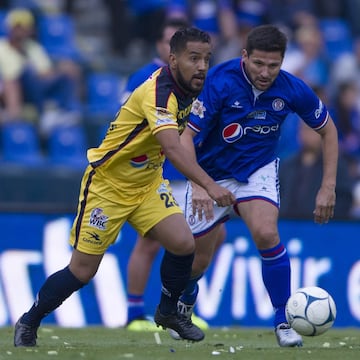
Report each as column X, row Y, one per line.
column 198, row 108
column 139, row 161
column 98, row 219
column 278, row 104
column 232, row 133
column 191, row 220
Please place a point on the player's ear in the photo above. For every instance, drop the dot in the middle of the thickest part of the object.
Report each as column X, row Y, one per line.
column 172, row 61
column 244, row 53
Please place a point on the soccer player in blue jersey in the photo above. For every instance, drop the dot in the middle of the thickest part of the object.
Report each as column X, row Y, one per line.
column 145, row 250
column 124, row 182
column 236, row 123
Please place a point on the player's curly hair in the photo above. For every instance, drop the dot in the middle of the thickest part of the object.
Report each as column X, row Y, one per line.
column 266, row 38
column 181, row 37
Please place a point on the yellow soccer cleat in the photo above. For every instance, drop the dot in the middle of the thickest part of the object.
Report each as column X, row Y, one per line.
column 142, row 324
column 199, row 322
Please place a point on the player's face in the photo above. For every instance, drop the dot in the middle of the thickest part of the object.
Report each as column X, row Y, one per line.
column 262, row 67
column 191, row 66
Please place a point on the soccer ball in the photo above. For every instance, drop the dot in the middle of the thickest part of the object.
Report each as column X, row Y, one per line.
column 310, row 311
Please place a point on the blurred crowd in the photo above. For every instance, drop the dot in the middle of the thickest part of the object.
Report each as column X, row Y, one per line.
column 64, row 63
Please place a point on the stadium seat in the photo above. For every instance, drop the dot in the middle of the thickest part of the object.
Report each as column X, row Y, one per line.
column 2, row 23
column 57, row 34
column 103, row 94
column 21, row 144
column 67, row 146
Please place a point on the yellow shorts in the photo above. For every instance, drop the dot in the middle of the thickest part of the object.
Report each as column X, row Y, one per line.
column 102, row 211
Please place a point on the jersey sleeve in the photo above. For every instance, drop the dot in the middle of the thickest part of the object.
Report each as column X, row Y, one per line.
column 313, row 111
column 161, row 117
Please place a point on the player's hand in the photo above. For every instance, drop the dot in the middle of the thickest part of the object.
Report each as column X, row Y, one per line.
column 202, row 203
column 324, row 205
column 222, row 196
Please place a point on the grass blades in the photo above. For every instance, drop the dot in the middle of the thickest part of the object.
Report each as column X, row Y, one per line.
column 93, row 343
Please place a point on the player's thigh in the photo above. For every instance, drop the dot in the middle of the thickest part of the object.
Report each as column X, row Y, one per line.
column 174, row 235
column 160, row 218
column 261, row 217
column 98, row 221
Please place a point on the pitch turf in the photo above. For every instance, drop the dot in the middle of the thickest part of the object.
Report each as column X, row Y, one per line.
column 95, row 343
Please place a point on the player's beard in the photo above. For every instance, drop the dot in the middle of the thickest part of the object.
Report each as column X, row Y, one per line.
column 186, row 85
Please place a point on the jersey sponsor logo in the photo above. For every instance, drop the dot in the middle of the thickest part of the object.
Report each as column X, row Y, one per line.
column 92, row 238
column 232, row 133
column 198, row 108
column 319, row 110
column 162, row 112
column 278, row 104
column 167, row 121
column 258, row 115
column 139, row 161
column 98, row 219
column 235, row 131
column 184, row 112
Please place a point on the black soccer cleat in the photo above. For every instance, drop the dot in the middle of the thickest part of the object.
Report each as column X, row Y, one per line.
column 25, row 335
column 179, row 323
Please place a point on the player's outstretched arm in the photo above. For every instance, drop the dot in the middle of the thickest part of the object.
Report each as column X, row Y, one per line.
column 185, row 162
column 326, row 197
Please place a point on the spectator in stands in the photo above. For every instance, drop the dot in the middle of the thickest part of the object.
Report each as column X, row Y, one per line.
column 300, row 178
column 347, row 66
column 347, row 118
column 29, row 76
column 162, row 45
column 307, row 59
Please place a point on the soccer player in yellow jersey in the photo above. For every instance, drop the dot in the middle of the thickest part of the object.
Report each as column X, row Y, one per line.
column 124, row 182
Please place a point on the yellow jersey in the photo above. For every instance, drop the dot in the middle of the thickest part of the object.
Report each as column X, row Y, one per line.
column 130, row 157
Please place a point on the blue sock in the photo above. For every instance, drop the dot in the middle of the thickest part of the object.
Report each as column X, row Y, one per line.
column 175, row 272
column 57, row 288
column 191, row 291
column 276, row 277
column 136, row 307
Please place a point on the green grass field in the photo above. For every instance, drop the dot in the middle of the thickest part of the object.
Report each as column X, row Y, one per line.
column 237, row 343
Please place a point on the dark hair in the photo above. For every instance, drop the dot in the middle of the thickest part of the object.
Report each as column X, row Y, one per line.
column 180, row 39
column 177, row 23
column 266, row 38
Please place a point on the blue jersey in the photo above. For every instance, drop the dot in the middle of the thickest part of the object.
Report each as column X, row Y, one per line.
column 238, row 126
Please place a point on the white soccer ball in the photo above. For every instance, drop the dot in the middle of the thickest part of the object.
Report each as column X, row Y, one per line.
column 310, row 311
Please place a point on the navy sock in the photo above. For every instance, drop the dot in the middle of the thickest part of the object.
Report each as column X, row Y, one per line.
column 58, row 287
column 175, row 273
column 276, row 277
column 191, row 291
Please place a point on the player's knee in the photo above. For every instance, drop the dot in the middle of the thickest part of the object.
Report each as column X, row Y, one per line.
column 183, row 246
column 265, row 237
